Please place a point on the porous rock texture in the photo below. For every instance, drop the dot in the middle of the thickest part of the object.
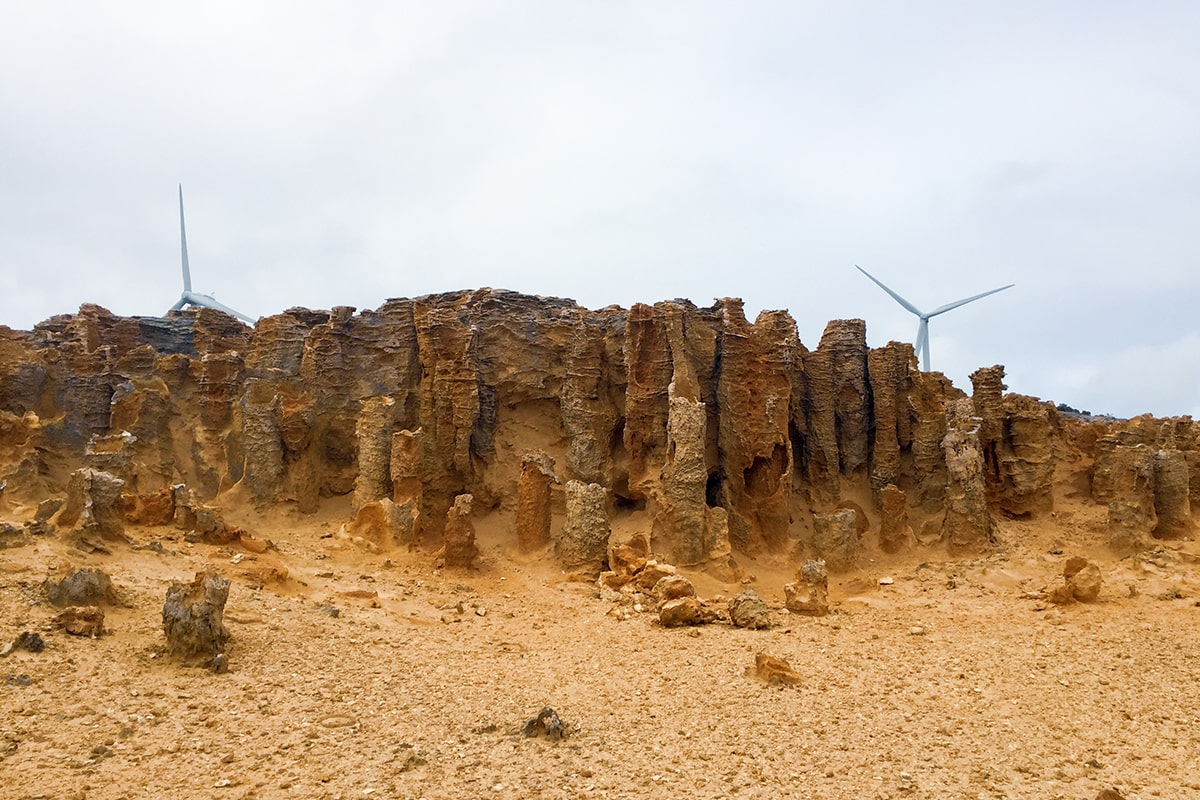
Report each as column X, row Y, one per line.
column 193, row 617
column 713, row 435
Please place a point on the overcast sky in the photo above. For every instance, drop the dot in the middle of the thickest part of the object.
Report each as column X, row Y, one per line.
column 623, row 152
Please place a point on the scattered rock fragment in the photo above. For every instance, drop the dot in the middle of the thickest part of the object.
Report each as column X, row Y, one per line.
column 193, row 618
column 748, row 610
column 773, row 671
column 83, row 587
column 11, row 535
column 33, row 642
column 1110, row 794
column 809, row 595
column 672, row 587
column 547, row 723
column 685, row 611
column 81, row 620
column 1084, row 579
column 1081, row 581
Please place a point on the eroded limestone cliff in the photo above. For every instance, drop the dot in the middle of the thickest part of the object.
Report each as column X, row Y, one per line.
column 710, row 434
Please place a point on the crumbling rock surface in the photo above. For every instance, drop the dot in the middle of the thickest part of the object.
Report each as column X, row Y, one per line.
column 193, row 618
column 717, row 434
column 747, row 610
column 809, row 594
column 82, row 587
column 773, row 671
column 461, row 550
column 686, row 611
column 81, row 620
column 583, row 541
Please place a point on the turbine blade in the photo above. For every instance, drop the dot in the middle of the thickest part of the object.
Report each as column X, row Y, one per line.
column 957, row 303
column 187, row 273
column 895, row 296
column 180, row 303
column 207, row 301
column 922, row 345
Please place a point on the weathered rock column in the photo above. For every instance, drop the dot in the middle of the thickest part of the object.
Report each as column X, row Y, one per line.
column 193, row 618
column 968, row 523
column 93, row 504
column 533, row 500
column 459, row 533
column 835, row 538
column 261, row 441
column 894, row 532
column 582, row 544
column 683, row 518
column 1123, row 476
column 1171, row 501
column 374, row 434
column 405, row 471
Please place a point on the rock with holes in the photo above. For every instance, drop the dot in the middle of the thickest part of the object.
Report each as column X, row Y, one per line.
column 193, row 618
column 748, row 610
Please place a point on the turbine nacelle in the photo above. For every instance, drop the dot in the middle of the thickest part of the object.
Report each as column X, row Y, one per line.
column 922, row 344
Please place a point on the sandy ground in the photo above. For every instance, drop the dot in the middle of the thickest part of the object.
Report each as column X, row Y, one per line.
column 956, row 680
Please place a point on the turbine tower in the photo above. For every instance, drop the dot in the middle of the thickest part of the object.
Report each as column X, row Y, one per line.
column 190, row 298
column 922, row 345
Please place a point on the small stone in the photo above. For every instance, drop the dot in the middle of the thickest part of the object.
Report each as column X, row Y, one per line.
column 547, row 723
column 672, row 587
column 773, row 671
column 916, row 630
column 481, row 611
column 83, row 587
column 685, row 611
column 33, row 642
column 886, row 581
column 748, row 610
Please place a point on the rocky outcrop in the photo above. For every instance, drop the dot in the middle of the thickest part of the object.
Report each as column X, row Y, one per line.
column 714, row 435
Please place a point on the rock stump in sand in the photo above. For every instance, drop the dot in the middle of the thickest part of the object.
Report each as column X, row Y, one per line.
column 533, row 500
column 461, row 550
column 809, row 595
column 894, row 531
column 93, row 504
column 582, row 543
column 83, row 587
column 835, row 538
column 193, row 618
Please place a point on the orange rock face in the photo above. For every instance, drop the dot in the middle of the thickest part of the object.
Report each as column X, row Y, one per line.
column 712, row 435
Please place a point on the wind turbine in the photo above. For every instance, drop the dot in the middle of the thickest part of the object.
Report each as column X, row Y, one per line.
column 922, row 345
column 190, row 298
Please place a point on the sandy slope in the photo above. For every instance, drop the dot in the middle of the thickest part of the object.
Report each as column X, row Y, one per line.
column 953, row 681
